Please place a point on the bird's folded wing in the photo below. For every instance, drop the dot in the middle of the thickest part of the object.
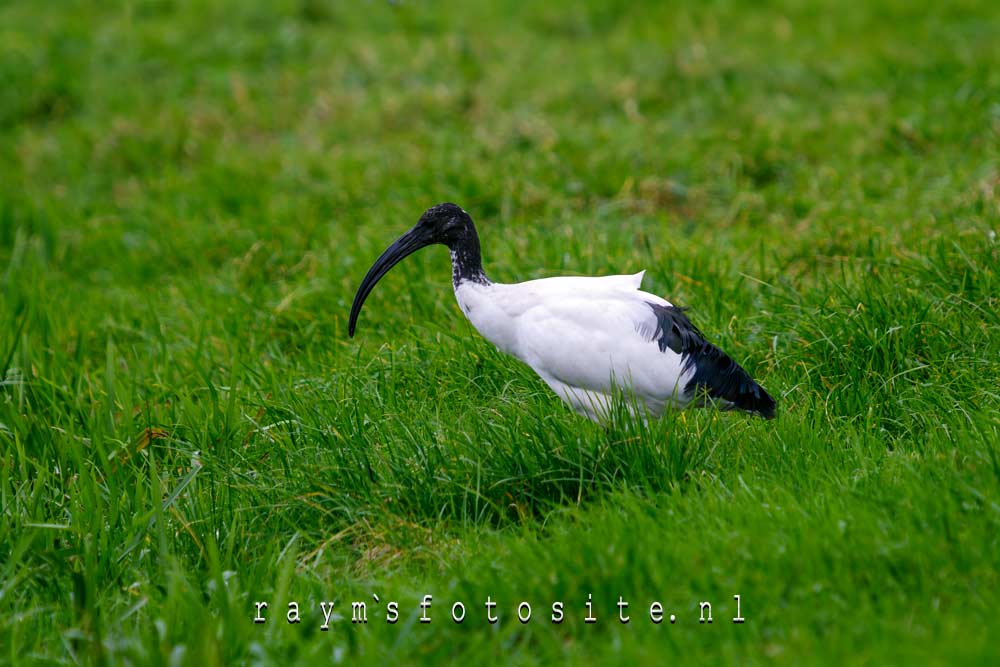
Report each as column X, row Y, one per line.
column 597, row 340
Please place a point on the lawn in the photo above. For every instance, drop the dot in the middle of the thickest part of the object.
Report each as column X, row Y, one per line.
column 191, row 192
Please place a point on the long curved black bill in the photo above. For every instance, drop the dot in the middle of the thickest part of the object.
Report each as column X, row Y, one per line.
column 406, row 245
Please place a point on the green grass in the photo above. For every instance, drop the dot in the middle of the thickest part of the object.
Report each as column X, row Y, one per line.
column 190, row 193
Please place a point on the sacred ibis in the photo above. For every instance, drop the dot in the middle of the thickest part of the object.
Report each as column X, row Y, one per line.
column 583, row 336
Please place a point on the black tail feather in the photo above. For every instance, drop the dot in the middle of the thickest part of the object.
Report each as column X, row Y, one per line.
column 722, row 378
column 715, row 373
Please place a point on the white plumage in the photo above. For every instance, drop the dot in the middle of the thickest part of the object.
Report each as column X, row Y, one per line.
column 584, row 336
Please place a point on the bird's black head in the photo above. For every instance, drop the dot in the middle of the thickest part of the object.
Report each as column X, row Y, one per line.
column 446, row 224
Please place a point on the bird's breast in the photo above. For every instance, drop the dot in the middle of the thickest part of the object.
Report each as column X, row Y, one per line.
column 484, row 307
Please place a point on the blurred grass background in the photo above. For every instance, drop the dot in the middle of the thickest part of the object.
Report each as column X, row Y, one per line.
column 190, row 192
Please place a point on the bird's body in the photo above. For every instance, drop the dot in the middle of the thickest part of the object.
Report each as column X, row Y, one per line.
column 582, row 336
column 586, row 337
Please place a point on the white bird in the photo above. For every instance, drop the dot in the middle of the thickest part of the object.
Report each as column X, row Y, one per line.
column 584, row 336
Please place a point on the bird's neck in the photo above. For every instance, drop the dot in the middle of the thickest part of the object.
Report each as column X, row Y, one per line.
column 466, row 262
